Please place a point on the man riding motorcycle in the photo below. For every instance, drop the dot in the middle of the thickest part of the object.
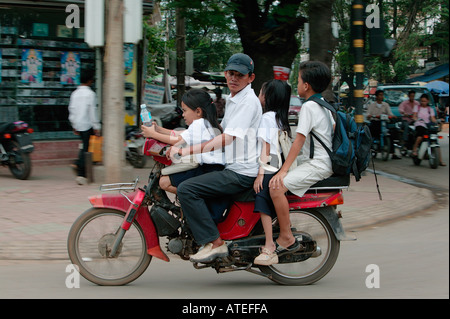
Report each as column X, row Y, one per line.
column 374, row 111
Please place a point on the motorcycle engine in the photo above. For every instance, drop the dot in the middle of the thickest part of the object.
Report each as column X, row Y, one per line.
column 165, row 223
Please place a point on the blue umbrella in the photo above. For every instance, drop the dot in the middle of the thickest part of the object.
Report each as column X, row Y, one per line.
column 437, row 86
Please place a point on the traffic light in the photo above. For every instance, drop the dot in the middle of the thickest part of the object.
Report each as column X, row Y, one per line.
column 378, row 45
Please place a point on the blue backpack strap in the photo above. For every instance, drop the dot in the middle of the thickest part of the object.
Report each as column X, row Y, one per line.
column 333, row 111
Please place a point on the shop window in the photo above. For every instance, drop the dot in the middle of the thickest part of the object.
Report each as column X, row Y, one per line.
column 40, row 63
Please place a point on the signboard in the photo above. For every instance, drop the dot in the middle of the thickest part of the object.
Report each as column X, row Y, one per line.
column 153, row 94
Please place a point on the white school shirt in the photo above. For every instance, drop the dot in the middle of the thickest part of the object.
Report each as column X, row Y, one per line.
column 268, row 132
column 83, row 109
column 242, row 117
column 201, row 131
column 315, row 117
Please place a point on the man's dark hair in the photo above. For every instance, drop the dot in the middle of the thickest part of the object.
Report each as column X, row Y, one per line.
column 316, row 74
column 87, row 75
column 411, row 92
column 378, row 92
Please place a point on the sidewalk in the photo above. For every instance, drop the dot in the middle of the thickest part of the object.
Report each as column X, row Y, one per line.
column 36, row 214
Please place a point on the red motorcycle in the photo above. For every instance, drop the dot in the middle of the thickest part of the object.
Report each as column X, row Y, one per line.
column 114, row 242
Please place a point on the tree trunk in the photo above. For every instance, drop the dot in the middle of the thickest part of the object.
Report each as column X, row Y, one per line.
column 181, row 54
column 113, row 106
column 322, row 40
column 268, row 37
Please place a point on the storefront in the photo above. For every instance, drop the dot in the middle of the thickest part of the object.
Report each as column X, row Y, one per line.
column 40, row 64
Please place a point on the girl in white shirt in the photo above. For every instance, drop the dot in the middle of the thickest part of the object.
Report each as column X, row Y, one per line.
column 199, row 113
column 274, row 96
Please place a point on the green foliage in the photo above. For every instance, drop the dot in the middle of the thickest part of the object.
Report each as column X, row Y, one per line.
column 158, row 47
column 414, row 24
column 210, row 31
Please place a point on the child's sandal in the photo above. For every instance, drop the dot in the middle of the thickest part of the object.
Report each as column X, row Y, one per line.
column 266, row 258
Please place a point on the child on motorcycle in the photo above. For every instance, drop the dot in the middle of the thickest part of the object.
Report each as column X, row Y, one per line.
column 274, row 96
column 313, row 79
column 200, row 115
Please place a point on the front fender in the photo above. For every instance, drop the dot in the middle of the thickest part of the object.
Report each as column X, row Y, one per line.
column 142, row 217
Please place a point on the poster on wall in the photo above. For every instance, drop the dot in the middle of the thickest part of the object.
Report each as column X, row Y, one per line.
column 32, row 65
column 128, row 57
column 70, row 68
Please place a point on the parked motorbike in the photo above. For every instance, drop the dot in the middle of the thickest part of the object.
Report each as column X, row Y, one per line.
column 429, row 147
column 15, row 148
column 113, row 242
column 134, row 143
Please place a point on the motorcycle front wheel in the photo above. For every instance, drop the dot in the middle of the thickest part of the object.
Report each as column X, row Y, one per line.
column 433, row 159
column 317, row 266
column 90, row 241
column 19, row 162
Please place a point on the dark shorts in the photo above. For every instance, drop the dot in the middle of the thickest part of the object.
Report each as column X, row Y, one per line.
column 421, row 131
column 263, row 201
column 177, row 178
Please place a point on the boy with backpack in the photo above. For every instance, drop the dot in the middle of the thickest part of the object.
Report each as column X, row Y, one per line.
column 313, row 79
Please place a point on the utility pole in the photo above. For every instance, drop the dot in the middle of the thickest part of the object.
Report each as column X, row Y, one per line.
column 358, row 10
column 114, row 83
column 181, row 53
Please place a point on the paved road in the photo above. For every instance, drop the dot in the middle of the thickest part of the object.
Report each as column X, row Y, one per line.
column 413, row 263
column 411, row 253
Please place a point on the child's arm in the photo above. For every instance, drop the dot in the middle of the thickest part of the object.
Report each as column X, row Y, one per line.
column 216, row 143
column 153, row 132
column 166, row 131
column 265, row 153
column 296, row 147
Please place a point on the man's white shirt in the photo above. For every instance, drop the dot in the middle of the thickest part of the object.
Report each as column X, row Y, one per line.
column 242, row 118
column 83, row 109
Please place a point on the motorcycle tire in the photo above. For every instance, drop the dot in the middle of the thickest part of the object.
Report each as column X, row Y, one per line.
column 90, row 237
column 314, row 268
column 20, row 166
column 386, row 149
column 433, row 159
column 137, row 160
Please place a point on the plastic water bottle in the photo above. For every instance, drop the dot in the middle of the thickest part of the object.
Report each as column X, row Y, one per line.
column 146, row 116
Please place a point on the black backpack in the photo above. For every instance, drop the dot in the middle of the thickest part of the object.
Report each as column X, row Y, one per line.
column 351, row 144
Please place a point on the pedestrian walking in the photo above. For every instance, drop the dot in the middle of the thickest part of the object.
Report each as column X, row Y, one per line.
column 84, row 120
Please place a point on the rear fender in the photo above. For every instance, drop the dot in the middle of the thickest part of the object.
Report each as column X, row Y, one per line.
column 333, row 219
column 141, row 215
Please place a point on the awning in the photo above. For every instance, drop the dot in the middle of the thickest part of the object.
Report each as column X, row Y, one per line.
column 433, row 74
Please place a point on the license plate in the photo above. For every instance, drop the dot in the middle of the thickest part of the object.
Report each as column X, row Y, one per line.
column 25, row 142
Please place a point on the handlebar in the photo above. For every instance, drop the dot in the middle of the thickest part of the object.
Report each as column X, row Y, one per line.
column 383, row 117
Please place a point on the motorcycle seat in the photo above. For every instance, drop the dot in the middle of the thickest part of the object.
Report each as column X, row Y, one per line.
column 6, row 127
column 332, row 182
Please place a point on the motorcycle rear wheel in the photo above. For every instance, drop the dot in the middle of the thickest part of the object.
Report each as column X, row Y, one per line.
column 315, row 268
column 21, row 165
column 90, row 240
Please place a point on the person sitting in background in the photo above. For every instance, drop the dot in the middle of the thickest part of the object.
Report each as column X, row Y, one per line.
column 406, row 109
